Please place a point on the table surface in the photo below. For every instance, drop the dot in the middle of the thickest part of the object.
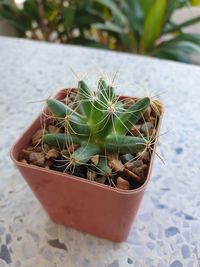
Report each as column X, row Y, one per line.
column 166, row 231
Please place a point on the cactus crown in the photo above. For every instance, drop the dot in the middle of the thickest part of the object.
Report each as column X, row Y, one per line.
column 98, row 124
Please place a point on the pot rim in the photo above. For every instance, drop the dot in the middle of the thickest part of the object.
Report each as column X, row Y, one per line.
column 82, row 180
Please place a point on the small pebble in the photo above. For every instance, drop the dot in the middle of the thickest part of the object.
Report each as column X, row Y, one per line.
column 59, row 165
column 37, row 158
column 5, row 254
column 116, row 165
column 176, row 263
column 147, row 128
column 171, row 231
column 79, row 171
column 91, row 175
column 132, row 164
column 141, row 171
column 53, row 129
column 144, row 156
column 122, row 183
column 126, row 157
column 48, row 164
column 135, row 130
column 23, row 161
column 153, row 120
column 36, row 138
column 101, row 179
column 52, row 154
column 45, row 147
column 132, row 175
column 95, row 159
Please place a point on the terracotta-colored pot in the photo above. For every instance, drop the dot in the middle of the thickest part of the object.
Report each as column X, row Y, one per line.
column 79, row 203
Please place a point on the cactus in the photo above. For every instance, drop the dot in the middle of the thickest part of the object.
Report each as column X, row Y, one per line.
column 99, row 125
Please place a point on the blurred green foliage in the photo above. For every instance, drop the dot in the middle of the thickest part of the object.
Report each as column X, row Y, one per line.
column 138, row 26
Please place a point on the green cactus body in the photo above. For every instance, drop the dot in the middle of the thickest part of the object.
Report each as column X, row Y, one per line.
column 100, row 127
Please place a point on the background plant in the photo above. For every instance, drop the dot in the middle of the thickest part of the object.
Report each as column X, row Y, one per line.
column 138, row 26
column 56, row 21
column 146, row 27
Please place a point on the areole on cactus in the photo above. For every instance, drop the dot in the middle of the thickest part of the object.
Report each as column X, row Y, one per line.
column 99, row 125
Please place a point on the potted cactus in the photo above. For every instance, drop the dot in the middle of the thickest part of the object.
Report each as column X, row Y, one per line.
column 88, row 158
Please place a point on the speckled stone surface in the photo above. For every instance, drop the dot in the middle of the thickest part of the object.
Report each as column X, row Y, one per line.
column 166, row 232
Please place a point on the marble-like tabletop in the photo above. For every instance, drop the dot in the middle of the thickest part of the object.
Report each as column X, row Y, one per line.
column 166, row 231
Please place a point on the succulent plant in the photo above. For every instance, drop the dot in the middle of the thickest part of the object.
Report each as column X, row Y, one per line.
column 98, row 124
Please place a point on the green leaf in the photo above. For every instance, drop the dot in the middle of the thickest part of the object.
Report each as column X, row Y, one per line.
column 115, row 10
column 73, row 121
column 69, row 16
column 30, row 10
column 99, row 105
column 178, row 27
column 131, row 116
column 146, row 6
column 15, row 18
column 88, row 42
column 85, row 99
column 153, row 24
column 103, row 167
column 135, row 17
column 60, row 139
column 7, row 12
column 124, row 144
column 84, row 153
column 195, row 2
column 86, row 17
column 109, row 27
column 183, row 51
column 191, row 37
column 171, row 6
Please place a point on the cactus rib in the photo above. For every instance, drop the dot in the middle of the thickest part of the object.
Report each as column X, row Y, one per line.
column 61, row 139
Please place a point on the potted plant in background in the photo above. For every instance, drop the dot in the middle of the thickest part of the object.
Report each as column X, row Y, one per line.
column 138, row 26
column 88, row 158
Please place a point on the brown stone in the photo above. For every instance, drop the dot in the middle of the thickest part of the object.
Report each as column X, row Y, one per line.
column 135, row 130
column 116, row 165
column 147, row 128
column 52, row 154
column 153, row 120
column 53, row 129
column 95, row 159
column 91, row 175
column 144, row 156
column 122, row 183
column 36, row 138
column 141, row 171
column 132, row 164
column 23, row 161
column 101, row 179
column 37, row 158
column 45, row 148
column 132, row 175
column 25, row 154
column 48, row 164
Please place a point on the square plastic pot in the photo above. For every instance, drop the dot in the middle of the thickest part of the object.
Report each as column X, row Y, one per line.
column 75, row 202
